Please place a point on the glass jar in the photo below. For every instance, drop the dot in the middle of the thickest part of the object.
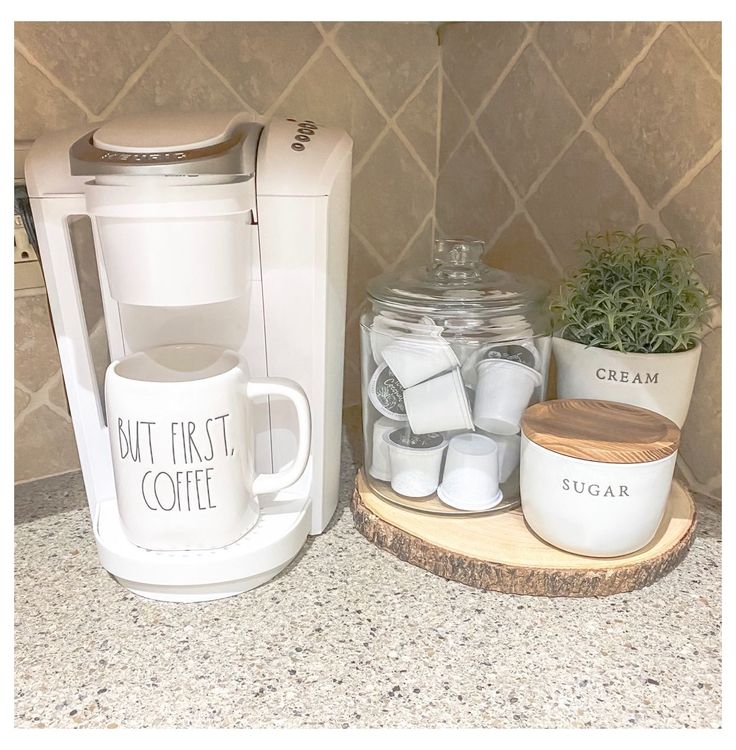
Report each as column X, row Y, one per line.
column 451, row 356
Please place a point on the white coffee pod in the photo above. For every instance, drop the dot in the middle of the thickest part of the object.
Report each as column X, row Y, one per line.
column 387, row 394
column 524, row 352
column 438, row 405
column 380, row 467
column 470, row 477
column 415, row 462
column 385, row 329
column 417, row 358
column 504, row 390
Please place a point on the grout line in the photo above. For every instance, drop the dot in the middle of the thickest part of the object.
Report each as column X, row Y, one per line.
column 137, row 74
column 31, row 60
column 181, row 34
column 690, row 175
column 526, row 41
column 382, row 262
column 550, row 252
column 391, row 120
column 518, row 202
column 646, row 214
column 291, row 85
column 438, row 144
column 594, row 110
column 472, row 116
column 41, row 398
column 422, row 224
column 691, row 42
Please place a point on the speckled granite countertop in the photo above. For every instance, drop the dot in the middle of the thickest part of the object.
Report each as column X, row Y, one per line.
column 349, row 636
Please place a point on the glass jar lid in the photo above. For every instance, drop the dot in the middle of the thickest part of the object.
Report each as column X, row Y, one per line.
column 458, row 284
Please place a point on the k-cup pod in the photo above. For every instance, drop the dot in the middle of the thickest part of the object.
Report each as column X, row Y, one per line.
column 387, row 394
column 386, row 329
column 509, row 448
column 415, row 461
column 416, row 359
column 523, row 352
column 380, row 466
column 438, row 405
column 504, row 390
column 470, row 478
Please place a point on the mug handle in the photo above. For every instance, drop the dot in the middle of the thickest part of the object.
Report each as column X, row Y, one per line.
column 265, row 483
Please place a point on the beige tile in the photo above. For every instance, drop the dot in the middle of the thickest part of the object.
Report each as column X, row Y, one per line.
column 391, row 198
column 351, row 385
column 665, row 118
column 57, row 396
column 707, row 37
column 418, row 122
column 528, row 121
column 177, row 80
column 475, row 54
column 419, row 253
column 392, row 58
column 39, row 105
column 589, row 57
column 36, row 355
column 454, row 123
column 328, row 95
column 258, row 59
column 701, row 434
column 582, row 193
column 693, row 217
column 472, row 199
column 93, row 59
column 22, row 399
column 362, row 266
column 44, row 445
column 520, row 251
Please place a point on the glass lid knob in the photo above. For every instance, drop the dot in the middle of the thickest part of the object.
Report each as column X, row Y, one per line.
column 458, row 258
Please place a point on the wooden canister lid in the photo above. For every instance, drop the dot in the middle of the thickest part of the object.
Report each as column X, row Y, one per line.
column 603, row 431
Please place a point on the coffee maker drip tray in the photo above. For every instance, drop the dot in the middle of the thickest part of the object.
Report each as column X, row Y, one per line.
column 204, row 575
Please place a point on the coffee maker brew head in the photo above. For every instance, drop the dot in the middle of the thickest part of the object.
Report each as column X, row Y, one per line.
column 173, row 200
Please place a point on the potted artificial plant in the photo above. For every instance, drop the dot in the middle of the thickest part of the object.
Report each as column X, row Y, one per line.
column 628, row 324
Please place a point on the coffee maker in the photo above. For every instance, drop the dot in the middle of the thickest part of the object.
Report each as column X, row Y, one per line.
column 207, row 228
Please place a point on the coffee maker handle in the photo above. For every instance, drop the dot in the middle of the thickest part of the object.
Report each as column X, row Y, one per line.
column 266, row 483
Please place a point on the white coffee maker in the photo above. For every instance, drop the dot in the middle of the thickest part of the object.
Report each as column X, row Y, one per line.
column 207, row 228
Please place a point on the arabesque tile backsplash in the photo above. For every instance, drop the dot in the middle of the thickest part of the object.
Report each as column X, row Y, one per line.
column 525, row 135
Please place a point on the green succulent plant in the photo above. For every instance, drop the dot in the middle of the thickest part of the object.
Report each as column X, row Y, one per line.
column 632, row 294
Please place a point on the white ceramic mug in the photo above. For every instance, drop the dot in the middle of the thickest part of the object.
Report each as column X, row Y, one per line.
column 181, row 430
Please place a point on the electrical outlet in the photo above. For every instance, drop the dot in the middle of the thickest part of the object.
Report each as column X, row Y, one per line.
column 24, row 251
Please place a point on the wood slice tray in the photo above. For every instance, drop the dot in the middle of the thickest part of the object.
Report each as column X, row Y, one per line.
column 499, row 552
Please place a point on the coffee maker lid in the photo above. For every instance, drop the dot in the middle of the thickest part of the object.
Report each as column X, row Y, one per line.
column 169, row 144
column 165, row 131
